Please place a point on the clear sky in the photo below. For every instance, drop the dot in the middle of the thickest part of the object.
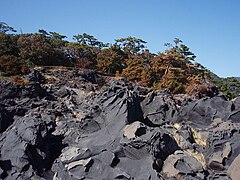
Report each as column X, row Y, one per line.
column 211, row 28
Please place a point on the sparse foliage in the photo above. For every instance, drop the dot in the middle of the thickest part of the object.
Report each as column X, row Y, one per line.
column 4, row 28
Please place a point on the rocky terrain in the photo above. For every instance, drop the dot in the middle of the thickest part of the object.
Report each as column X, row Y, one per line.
column 70, row 124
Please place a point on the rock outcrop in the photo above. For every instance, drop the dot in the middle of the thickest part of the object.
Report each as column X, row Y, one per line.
column 68, row 124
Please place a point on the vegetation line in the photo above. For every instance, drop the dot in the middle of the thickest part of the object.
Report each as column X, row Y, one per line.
column 174, row 68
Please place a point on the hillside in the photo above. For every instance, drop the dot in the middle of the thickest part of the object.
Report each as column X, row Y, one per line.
column 93, row 110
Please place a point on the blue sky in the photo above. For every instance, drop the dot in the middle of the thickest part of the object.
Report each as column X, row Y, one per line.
column 211, row 28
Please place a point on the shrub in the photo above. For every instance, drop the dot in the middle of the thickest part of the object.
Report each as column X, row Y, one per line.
column 12, row 65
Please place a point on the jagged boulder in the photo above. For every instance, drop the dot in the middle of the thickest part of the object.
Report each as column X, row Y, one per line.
column 158, row 108
column 202, row 112
column 28, row 148
column 182, row 164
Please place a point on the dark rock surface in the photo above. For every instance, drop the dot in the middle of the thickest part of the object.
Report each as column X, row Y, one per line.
column 202, row 112
column 6, row 118
column 69, row 124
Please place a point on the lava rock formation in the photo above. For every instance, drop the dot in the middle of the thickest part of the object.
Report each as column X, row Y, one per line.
column 69, row 124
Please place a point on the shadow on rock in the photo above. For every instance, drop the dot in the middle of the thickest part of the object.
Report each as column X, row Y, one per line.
column 42, row 155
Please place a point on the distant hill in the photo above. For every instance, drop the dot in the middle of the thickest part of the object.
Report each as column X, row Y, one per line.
column 238, row 78
column 229, row 86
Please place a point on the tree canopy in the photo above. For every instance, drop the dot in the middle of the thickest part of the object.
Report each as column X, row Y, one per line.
column 4, row 28
column 131, row 45
column 174, row 69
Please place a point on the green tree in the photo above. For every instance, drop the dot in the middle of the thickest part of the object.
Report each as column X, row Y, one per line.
column 83, row 56
column 8, row 44
column 43, row 32
column 57, row 40
column 84, row 52
column 111, row 60
column 4, row 28
column 54, row 38
column 130, row 45
column 180, row 50
column 229, row 86
column 36, row 49
column 12, row 65
column 86, row 39
column 55, row 35
column 134, row 69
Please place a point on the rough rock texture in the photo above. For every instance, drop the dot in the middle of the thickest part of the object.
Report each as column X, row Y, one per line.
column 69, row 124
